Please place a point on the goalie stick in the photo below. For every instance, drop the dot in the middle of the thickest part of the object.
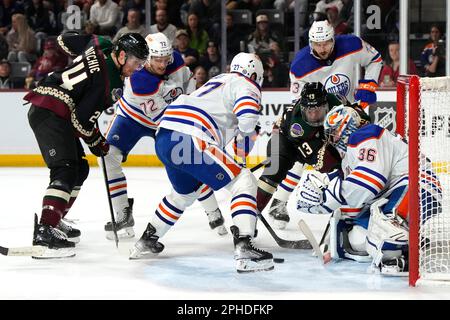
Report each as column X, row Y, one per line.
column 309, row 235
column 289, row 244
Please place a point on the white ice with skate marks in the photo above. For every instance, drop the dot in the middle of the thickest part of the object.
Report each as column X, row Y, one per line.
column 196, row 264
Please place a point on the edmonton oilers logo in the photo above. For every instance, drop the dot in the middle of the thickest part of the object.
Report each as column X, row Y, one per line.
column 338, row 84
column 297, row 130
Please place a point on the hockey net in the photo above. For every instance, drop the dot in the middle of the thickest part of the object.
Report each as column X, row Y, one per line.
column 423, row 118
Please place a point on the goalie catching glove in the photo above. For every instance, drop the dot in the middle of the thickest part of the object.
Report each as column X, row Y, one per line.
column 97, row 144
column 319, row 193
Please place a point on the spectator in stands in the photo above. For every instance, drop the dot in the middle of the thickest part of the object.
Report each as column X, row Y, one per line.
column 208, row 12
column 235, row 36
column 38, row 18
column 259, row 41
column 138, row 5
column 5, row 72
column 289, row 5
column 276, row 73
column 190, row 55
column 3, row 47
column 162, row 25
column 85, row 6
column 231, row 4
column 104, row 14
column 254, row 5
column 199, row 37
column 433, row 55
column 89, row 28
column 7, row 9
column 346, row 12
column 323, row 5
column 51, row 60
column 133, row 25
column 389, row 73
column 21, row 40
column 339, row 25
column 212, row 57
column 200, row 76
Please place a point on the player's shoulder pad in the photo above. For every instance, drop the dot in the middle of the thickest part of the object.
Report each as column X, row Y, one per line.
column 242, row 82
column 304, row 63
column 177, row 63
column 367, row 132
column 144, row 83
column 346, row 44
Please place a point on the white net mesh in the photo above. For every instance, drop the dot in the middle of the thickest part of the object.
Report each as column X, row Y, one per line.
column 434, row 180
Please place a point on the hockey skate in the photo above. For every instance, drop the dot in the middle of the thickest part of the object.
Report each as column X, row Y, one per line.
column 54, row 240
column 124, row 224
column 216, row 222
column 397, row 267
column 71, row 233
column 248, row 258
column 279, row 214
column 147, row 246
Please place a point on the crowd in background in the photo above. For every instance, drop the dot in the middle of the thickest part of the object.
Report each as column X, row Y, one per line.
column 28, row 30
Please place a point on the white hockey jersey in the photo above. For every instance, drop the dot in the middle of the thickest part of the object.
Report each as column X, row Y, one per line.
column 376, row 163
column 338, row 72
column 146, row 95
column 216, row 111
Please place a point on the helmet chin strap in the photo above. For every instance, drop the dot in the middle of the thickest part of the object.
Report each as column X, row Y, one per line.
column 121, row 65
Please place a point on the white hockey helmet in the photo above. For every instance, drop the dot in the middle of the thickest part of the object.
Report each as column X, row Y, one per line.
column 321, row 31
column 159, row 45
column 339, row 124
column 248, row 64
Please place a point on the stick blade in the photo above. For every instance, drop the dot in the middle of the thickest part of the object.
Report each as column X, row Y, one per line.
column 299, row 244
column 309, row 235
column 35, row 251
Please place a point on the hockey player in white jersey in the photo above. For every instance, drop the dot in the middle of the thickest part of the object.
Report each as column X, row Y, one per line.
column 332, row 61
column 191, row 140
column 369, row 199
column 138, row 112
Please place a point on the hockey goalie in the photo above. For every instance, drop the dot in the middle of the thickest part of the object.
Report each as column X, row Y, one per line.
column 368, row 200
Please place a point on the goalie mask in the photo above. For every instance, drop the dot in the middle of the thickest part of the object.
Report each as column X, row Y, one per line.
column 339, row 124
column 313, row 104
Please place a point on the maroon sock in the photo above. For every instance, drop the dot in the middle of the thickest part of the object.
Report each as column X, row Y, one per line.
column 73, row 197
column 52, row 210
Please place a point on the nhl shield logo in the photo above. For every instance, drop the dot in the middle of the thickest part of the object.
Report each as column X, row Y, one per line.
column 385, row 117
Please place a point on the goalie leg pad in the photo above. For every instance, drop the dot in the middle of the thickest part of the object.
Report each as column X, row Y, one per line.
column 387, row 238
column 345, row 240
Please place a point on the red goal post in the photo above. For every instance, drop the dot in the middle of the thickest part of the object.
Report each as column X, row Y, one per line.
column 423, row 118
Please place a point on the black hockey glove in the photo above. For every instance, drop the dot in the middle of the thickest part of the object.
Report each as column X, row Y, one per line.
column 97, row 144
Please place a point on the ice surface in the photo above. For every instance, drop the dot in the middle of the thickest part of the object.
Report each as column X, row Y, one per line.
column 196, row 264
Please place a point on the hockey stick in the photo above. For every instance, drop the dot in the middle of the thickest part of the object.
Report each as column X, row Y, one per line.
column 290, row 244
column 309, row 235
column 105, row 176
column 34, row 251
